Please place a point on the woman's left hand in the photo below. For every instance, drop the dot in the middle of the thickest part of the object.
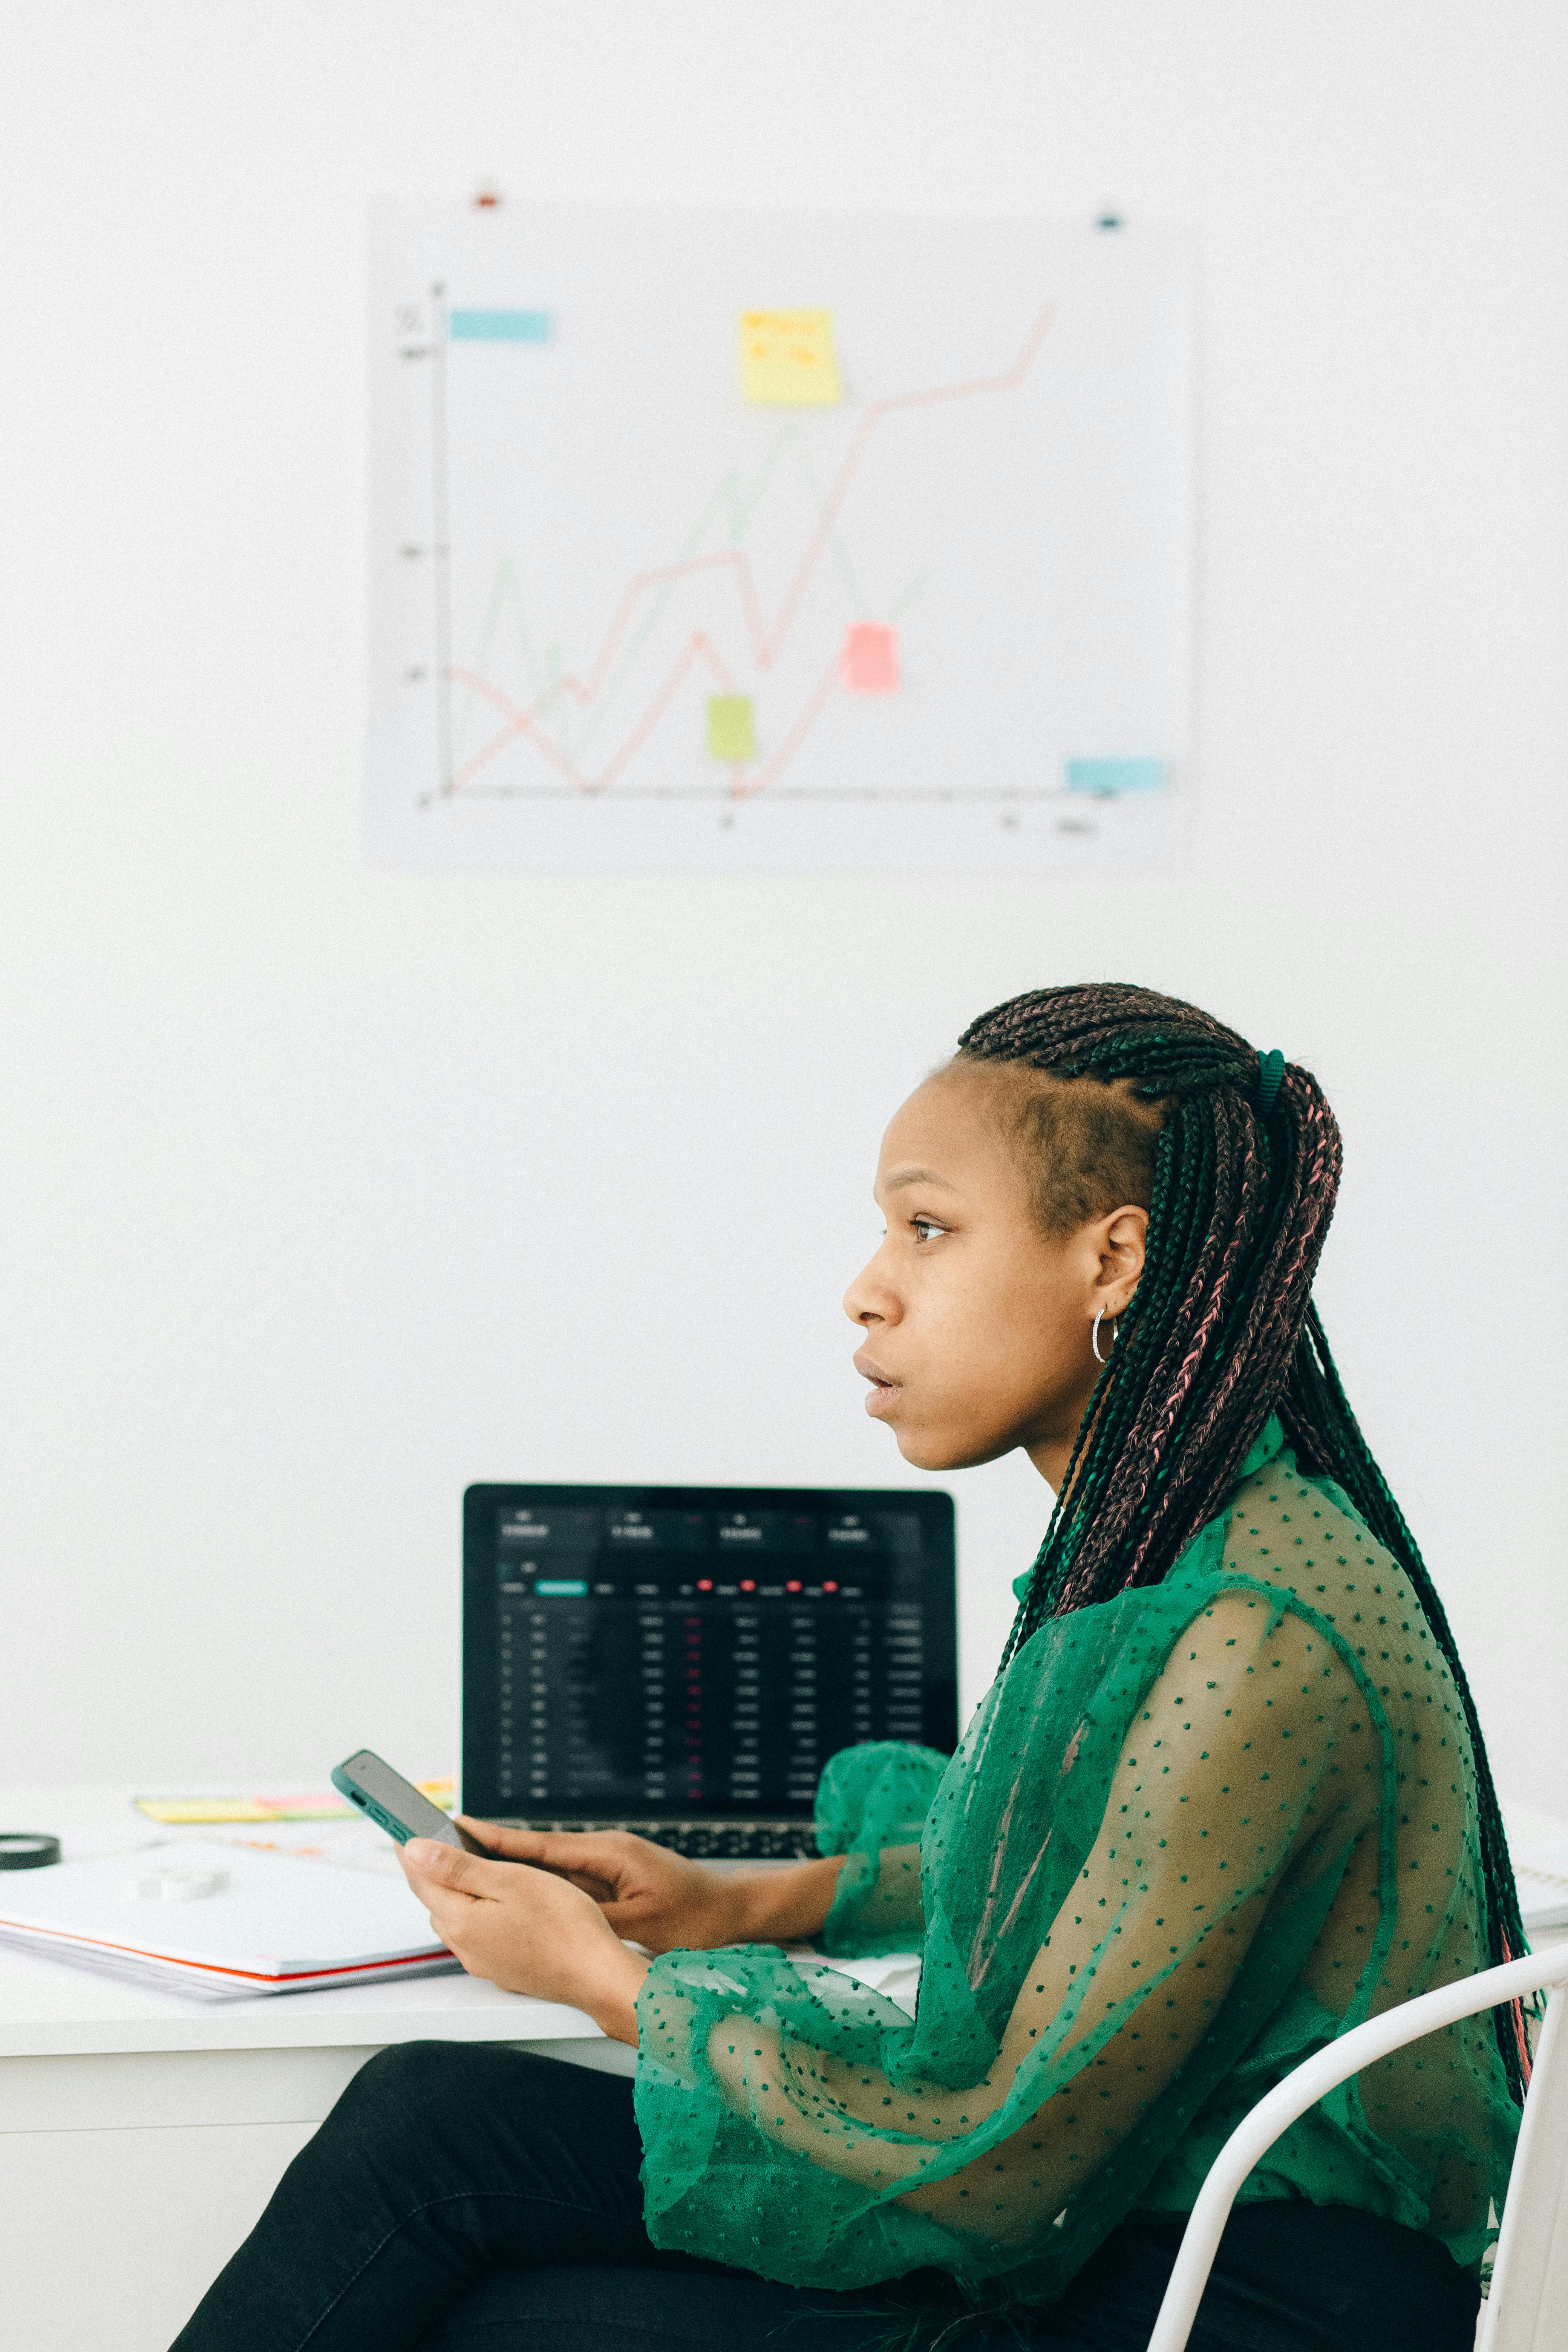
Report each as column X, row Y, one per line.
column 528, row 1931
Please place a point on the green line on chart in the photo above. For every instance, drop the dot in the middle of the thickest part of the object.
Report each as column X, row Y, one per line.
column 732, row 503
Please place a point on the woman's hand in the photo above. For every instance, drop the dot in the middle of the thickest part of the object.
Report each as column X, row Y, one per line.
column 663, row 1901
column 641, row 1890
column 528, row 1931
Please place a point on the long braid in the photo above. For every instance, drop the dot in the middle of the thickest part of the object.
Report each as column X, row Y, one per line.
column 1316, row 1400
column 1221, row 1332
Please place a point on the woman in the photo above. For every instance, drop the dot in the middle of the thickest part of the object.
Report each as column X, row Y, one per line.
column 1225, row 1799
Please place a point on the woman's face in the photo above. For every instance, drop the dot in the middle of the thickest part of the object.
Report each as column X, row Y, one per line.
column 977, row 1321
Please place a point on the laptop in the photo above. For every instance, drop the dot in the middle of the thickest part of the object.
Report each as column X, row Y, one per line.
column 683, row 1661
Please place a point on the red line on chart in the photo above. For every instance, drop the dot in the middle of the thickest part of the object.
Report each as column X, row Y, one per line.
column 522, row 722
column 871, row 418
column 766, row 645
column 810, row 710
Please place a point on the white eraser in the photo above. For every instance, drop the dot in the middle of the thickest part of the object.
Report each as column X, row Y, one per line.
column 177, row 1885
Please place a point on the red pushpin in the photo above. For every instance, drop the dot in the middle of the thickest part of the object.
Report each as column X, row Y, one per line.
column 486, row 197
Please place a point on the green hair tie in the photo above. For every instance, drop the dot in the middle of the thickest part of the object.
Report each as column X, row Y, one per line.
column 1270, row 1078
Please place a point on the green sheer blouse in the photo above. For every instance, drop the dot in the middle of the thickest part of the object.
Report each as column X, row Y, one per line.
column 1192, row 1835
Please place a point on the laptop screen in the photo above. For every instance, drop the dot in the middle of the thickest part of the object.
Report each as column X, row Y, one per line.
column 639, row 1652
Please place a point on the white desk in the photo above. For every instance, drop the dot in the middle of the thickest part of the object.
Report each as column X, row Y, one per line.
column 141, row 2132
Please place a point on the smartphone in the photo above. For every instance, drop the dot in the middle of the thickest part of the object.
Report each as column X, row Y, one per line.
column 396, row 1806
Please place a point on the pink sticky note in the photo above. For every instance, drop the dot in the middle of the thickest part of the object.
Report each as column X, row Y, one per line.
column 869, row 662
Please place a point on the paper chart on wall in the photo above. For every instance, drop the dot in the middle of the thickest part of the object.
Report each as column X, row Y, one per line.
column 725, row 541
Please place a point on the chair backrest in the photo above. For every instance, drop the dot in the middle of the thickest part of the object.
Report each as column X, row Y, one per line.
column 1527, row 2310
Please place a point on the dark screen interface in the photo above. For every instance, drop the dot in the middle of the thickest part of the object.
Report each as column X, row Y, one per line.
column 702, row 1661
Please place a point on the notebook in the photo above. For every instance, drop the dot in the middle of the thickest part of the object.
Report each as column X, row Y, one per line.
column 222, row 1921
column 683, row 1661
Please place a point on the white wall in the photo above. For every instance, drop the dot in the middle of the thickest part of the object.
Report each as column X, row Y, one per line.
column 326, row 1193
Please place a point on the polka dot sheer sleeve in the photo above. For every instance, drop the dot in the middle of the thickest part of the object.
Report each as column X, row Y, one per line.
column 1191, row 1834
column 872, row 1806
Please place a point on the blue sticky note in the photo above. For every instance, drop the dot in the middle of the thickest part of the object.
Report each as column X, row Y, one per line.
column 1109, row 778
column 499, row 326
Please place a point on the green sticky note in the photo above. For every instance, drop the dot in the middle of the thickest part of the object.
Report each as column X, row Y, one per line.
column 730, row 734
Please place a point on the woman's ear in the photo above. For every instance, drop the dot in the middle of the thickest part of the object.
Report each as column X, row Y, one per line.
column 1125, row 1236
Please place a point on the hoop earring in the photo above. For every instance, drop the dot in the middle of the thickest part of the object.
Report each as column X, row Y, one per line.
column 1094, row 1337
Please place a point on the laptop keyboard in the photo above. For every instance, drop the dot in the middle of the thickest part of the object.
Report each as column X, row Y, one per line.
column 709, row 1840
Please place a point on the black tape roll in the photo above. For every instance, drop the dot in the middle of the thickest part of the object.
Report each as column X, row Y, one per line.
column 27, row 1849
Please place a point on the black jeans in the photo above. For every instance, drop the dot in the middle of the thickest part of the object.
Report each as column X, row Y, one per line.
column 469, row 2198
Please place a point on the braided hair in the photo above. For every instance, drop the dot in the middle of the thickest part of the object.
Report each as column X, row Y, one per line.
column 1221, row 1331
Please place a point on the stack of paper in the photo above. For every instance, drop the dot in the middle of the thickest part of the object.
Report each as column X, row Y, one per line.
column 222, row 1920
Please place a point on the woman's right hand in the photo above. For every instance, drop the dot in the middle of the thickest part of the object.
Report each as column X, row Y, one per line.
column 665, row 1902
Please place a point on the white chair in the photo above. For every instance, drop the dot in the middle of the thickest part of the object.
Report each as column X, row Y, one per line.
column 1527, row 2309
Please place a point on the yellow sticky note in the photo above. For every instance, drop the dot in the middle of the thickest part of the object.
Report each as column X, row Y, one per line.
column 730, row 734
column 324, row 1806
column 190, row 1810
column 787, row 360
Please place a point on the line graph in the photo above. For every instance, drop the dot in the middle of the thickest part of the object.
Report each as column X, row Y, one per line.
column 766, row 640
column 734, row 501
column 611, row 582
